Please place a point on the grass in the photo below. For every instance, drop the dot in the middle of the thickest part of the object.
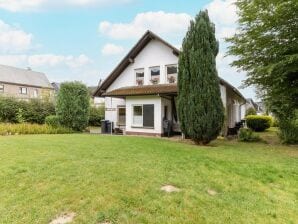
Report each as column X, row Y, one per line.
column 118, row 179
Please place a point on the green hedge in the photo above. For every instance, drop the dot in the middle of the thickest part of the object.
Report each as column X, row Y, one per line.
column 52, row 120
column 32, row 111
column 26, row 128
column 258, row 122
column 96, row 115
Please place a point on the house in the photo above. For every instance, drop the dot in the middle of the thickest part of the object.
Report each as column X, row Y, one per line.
column 140, row 93
column 24, row 83
column 95, row 101
column 248, row 104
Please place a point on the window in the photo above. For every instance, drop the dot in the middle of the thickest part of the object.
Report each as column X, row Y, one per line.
column 1, row 88
column 155, row 75
column 23, row 90
column 172, row 73
column 35, row 93
column 143, row 115
column 139, row 76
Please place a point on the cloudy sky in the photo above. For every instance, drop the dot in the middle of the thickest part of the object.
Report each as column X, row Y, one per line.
column 85, row 39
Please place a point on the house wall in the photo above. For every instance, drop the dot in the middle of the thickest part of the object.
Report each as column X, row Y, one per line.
column 154, row 54
column 111, row 105
column 140, row 100
column 12, row 90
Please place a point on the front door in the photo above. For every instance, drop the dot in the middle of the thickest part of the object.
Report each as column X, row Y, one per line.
column 121, row 116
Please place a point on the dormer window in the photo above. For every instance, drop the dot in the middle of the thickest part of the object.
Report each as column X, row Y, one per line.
column 139, row 76
column 172, row 73
column 155, row 74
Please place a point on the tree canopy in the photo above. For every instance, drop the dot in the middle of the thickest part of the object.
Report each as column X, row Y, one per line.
column 266, row 47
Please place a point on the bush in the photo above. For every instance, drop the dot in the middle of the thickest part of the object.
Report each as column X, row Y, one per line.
column 96, row 115
column 26, row 128
column 275, row 122
column 250, row 111
column 73, row 105
column 18, row 111
column 247, row 135
column 258, row 122
column 52, row 120
column 288, row 132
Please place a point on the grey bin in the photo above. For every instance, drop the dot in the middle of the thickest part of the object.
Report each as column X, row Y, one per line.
column 167, row 127
column 109, row 126
column 104, row 126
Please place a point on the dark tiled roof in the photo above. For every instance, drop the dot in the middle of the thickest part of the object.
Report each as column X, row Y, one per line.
column 144, row 90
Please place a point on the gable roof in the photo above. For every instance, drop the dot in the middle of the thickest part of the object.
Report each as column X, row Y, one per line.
column 129, row 58
column 25, row 77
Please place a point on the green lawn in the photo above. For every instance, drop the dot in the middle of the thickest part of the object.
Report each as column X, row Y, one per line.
column 118, row 179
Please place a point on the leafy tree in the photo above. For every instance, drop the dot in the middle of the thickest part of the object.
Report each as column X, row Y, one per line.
column 200, row 108
column 250, row 111
column 73, row 105
column 266, row 48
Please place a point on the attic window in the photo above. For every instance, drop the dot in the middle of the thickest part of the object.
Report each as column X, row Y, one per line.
column 139, row 76
column 172, row 73
column 155, row 74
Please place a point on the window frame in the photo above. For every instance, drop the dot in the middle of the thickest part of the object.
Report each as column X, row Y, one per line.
column 142, row 124
column 136, row 78
column 159, row 76
column 21, row 92
column 167, row 75
column 133, row 124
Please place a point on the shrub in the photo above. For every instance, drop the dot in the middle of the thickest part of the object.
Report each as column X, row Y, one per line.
column 247, row 135
column 275, row 122
column 52, row 120
column 258, row 122
column 250, row 111
column 26, row 128
column 288, row 132
column 96, row 115
column 32, row 111
column 73, row 105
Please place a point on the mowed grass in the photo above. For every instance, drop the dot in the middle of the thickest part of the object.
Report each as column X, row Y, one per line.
column 118, row 179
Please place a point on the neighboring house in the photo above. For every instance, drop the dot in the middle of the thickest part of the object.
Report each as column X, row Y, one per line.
column 249, row 104
column 261, row 108
column 24, row 83
column 141, row 91
column 56, row 86
column 95, row 101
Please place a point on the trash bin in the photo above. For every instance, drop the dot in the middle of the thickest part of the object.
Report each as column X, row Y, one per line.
column 109, row 127
column 167, row 127
column 103, row 126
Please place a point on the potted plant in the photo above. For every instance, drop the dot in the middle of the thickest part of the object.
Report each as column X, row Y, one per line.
column 155, row 80
column 172, row 79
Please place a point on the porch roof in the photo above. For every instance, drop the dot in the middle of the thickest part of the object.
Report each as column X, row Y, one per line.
column 144, row 90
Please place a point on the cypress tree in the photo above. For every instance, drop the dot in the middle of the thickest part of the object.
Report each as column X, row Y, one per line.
column 200, row 108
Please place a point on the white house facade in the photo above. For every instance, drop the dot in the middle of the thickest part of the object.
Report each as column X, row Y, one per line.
column 140, row 93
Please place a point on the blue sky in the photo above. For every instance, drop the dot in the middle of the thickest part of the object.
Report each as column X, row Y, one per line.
column 85, row 39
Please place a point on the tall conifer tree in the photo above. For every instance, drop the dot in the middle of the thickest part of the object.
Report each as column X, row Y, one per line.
column 200, row 109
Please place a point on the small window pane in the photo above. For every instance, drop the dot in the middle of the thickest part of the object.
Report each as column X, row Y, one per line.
column 172, row 75
column 139, row 76
column 23, row 90
column 1, row 88
column 137, row 115
column 155, row 75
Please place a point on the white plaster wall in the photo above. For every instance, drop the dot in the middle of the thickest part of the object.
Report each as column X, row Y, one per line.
column 154, row 54
column 223, row 94
column 136, row 100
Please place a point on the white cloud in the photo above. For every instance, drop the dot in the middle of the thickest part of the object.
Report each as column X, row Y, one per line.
column 223, row 14
column 36, row 5
column 13, row 39
column 112, row 49
column 45, row 60
column 159, row 22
